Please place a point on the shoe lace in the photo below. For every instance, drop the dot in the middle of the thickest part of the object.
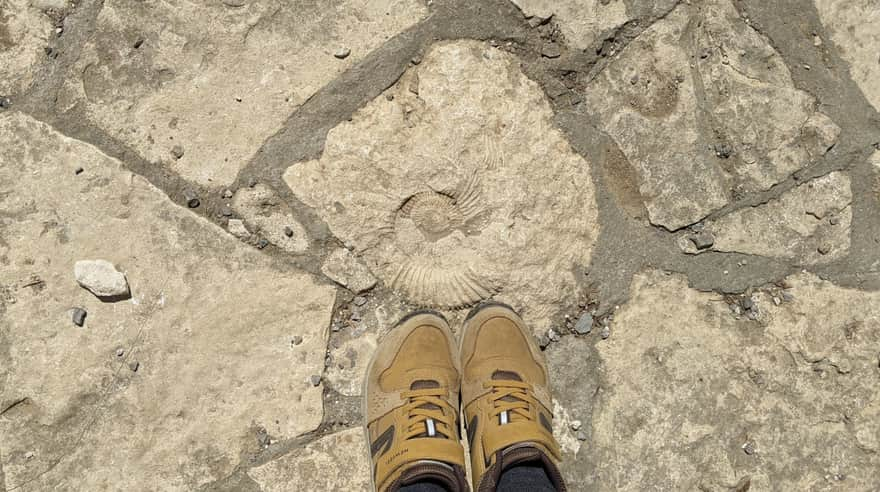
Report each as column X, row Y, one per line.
column 429, row 414
column 512, row 401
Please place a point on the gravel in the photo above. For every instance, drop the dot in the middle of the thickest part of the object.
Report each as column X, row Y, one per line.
column 342, row 53
column 703, row 240
column 79, row 316
column 101, row 278
column 584, row 324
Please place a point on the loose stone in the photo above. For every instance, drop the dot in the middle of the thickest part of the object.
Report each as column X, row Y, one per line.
column 824, row 248
column 296, row 340
column 315, row 379
column 288, row 231
column 78, row 170
column 225, row 211
column 747, row 303
column 134, row 366
column 359, row 301
column 120, row 352
column 584, row 324
column 5, row 102
column 192, row 199
column 177, row 152
column 236, row 228
column 552, row 335
column 101, row 278
column 262, row 243
column 227, row 193
column 551, row 50
column 342, row 53
column 581, row 436
column 703, row 240
column 79, row 316
column 749, row 448
column 605, row 333
column 575, row 425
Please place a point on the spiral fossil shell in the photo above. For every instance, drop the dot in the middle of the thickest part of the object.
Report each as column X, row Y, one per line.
column 441, row 287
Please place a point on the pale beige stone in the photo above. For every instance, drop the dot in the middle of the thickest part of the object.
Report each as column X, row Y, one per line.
column 335, row 462
column 268, row 215
column 344, row 268
column 460, row 191
column 208, row 330
column 687, row 386
column 581, row 21
column 219, row 78
column 349, row 364
column 854, row 26
column 809, row 224
column 25, row 31
column 672, row 117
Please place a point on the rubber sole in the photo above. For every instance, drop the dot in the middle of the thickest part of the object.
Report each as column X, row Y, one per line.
column 487, row 304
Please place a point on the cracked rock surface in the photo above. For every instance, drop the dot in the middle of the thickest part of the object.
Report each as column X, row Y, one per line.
column 681, row 197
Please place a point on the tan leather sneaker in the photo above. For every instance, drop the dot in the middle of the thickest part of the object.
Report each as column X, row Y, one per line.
column 411, row 406
column 506, row 397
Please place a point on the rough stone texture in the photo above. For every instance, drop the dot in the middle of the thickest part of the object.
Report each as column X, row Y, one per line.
column 854, row 26
column 802, row 221
column 208, row 331
column 349, row 364
column 689, row 387
column 668, row 113
column 452, row 206
column 198, row 74
column 267, row 215
column 101, row 278
column 581, row 21
column 344, row 268
column 24, row 34
column 335, row 462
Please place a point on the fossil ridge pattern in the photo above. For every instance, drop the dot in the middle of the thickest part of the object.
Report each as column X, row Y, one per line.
column 450, row 206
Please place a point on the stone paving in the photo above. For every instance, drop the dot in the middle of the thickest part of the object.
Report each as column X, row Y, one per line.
column 697, row 181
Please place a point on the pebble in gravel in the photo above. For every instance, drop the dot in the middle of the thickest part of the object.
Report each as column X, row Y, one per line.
column 747, row 303
column 296, row 340
column 749, row 448
column 342, row 53
column 584, row 324
column 703, row 240
column 552, row 335
column 575, row 425
column 101, row 278
column 288, row 231
column 551, row 50
column 192, row 199
column 227, row 193
column 581, row 436
column 236, row 228
column 5, row 102
column 79, row 316
column 544, row 341
column 177, row 152
column 225, row 211
column 134, row 366
column 824, row 248
column 315, row 379
column 787, row 296
column 262, row 243
column 120, row 352
column 359, row 300
column 605, row 333
column 78, row 170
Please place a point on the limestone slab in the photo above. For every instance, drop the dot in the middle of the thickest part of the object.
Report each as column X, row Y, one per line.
column 456, row 186
column 855, row 29
column 695, row 399
column 335, row 462
column 349, row 364
column 25, row 31
column 810, row 223
column 266, row 214
column 581, row 21
column 705, row 111
column 163, row 389
column 217, row 79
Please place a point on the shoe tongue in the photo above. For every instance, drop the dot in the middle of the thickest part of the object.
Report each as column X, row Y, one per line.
column 433, row 471
column 505, row 376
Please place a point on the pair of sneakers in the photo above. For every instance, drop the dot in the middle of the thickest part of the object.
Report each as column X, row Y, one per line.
column 411, row 402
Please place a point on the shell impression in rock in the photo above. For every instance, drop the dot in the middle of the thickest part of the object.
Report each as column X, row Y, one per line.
column 462, row 191
column 437, row 214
